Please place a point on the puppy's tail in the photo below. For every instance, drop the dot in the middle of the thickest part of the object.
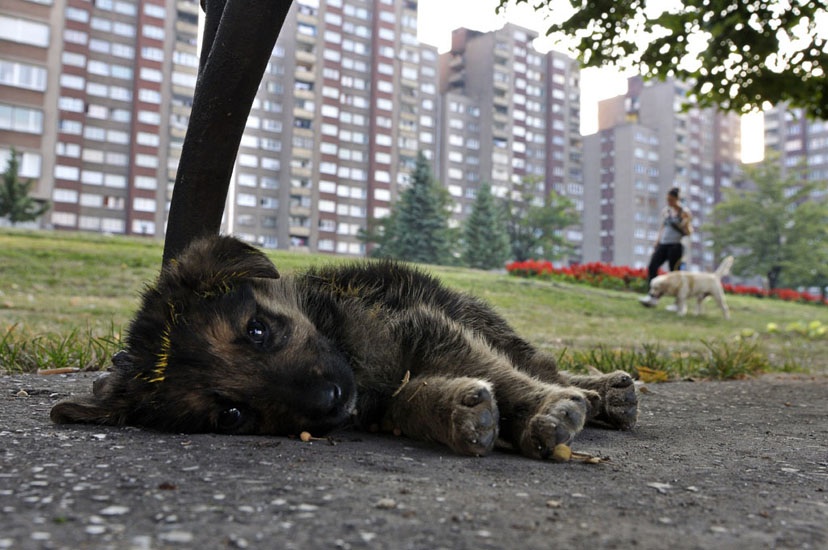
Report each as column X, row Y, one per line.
column 724, row 268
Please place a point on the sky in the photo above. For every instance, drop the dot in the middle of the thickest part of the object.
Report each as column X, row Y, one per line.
column 437, row 18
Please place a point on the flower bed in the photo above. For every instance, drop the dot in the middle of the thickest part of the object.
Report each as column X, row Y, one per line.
column 635, row 280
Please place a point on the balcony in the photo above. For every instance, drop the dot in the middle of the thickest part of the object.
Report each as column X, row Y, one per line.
column 305, row 57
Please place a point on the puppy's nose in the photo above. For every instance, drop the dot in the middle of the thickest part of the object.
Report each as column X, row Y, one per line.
column 326, row 398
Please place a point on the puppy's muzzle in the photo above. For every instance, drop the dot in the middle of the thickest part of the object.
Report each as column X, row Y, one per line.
column 326, row 400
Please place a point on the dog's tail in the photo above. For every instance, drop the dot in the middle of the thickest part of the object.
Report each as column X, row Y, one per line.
column 724, row 268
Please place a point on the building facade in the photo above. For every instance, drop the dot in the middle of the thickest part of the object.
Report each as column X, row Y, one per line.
column 646, row 144
column 510, row 114
column 348, row 99
column 96, row 96
column 800, row 143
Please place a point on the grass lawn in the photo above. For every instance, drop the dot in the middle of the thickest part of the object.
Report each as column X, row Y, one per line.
column 65, row 299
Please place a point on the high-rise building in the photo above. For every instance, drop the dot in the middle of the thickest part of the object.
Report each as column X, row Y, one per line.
column 798, row 141
column 96, row 95
column 509, row 114
column 647, row 143
column 348, row 99
column 27, row 52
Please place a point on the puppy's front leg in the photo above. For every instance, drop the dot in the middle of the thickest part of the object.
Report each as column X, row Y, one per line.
column 458, row 412
column 619, row 403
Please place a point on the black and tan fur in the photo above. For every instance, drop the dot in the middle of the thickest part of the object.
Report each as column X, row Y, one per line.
column 222, row 344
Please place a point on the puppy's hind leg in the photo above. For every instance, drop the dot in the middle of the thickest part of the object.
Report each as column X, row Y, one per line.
column 458, row 412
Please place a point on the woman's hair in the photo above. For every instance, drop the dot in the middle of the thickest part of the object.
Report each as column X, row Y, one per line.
column 674, row 192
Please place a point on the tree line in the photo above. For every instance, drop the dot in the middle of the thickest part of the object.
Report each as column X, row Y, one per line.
column 776, row 225
column 496, row 230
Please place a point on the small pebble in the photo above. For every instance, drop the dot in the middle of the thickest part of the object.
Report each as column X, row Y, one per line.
column 114, row 511
column 183, row 537
column 386, row 504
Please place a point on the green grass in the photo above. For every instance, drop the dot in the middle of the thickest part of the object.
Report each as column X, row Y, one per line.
column 66, row 298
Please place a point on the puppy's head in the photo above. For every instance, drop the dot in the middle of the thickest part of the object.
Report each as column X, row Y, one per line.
column 219, row 345
column 663, row 285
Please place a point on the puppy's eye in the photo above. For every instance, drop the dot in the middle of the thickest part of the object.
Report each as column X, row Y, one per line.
column 257, row 332
column 230, row 420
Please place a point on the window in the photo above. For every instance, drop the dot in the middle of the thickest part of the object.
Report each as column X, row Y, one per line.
column 115, row 180
column 68, row 149
column 91, row 199
column 92, row 177
column 29, row 163
column 145, row 182
column 73, row 59
column 70, row 127
column 65, row 219
column 149, row 96
column 76, row 14
column 140, row 204
column 24, row 32
column 72, row 104
column 154, row 10
column 64, row 195
column 72, row 82
column 21, row 119
column 123, row 29
column 246, row 199
column 147, row 139
column 149, row 117
column 75, row 37
column 22, row 75
column 147, row 161
column 71, row 173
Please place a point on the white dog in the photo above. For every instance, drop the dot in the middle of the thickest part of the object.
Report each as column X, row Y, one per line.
column 684, row 285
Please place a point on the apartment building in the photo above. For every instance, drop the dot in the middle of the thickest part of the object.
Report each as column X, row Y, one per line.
column 798, row 141
column 96, row 95
column 348, row 99
column 509, row 114
column 26, row 86
column 646, row 144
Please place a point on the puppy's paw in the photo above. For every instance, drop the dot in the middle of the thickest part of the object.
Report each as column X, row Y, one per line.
column 474, row 420
column 619, row 402
column 557, row 421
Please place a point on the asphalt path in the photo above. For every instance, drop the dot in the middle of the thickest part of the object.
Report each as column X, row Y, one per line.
column 711, row 465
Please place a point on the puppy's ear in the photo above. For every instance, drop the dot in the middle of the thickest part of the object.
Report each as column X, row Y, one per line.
column 83, row 410
column 214, row 263
column 102, row 407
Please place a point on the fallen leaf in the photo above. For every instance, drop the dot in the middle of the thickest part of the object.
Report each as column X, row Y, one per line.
column 648, row 375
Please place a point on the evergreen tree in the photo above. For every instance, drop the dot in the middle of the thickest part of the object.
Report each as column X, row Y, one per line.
column 15, row 202
column 417, row 229
column 486, row 239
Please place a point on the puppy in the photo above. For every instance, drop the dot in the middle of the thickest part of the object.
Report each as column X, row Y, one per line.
column 684, row 285
column 222, row 344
